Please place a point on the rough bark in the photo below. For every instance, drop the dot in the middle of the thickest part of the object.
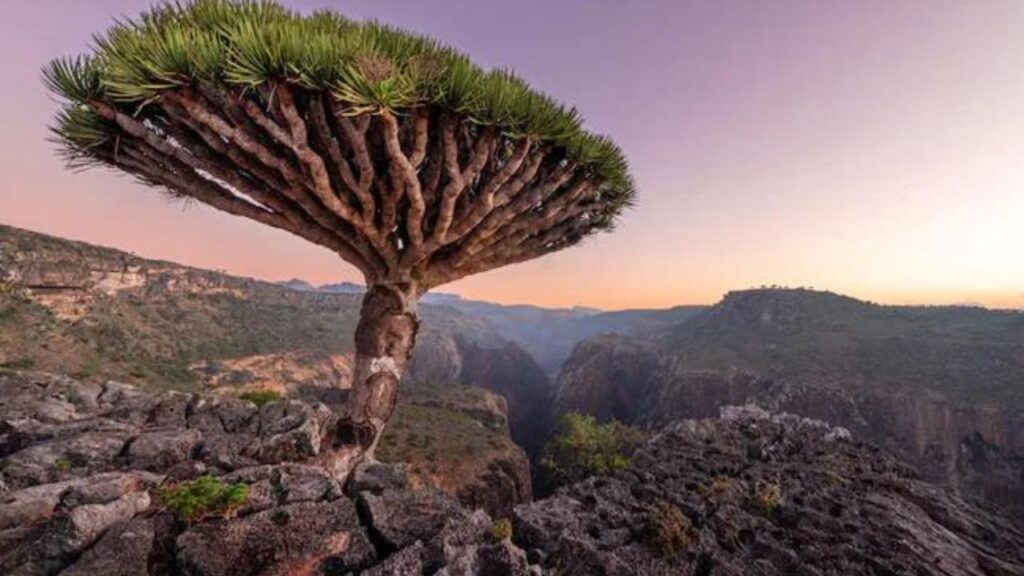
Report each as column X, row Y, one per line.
column 385, row 337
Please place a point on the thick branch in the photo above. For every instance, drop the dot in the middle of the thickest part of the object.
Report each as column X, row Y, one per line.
column 209, row 125
column 526, row 246
column 355, row 136
column 322, row 130
column 314, row 163
column 485, row 200
column 481, row 236
column 413, row 191
column 459, row 178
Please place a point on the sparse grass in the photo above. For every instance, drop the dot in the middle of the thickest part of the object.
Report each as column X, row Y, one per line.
column 261, row 397
column 767, row 498
column 669, row 530
column 19, row 364
column 204, row 496
column 438, row 428
column 501, row 530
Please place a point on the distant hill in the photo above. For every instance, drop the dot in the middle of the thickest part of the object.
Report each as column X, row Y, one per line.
column 98, row 313
column 968, row 354
column 942, row 386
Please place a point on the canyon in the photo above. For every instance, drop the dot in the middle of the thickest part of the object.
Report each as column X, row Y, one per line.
column 91, row 470
column 941, row 388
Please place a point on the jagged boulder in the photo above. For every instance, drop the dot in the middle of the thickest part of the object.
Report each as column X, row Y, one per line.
column 290, row 539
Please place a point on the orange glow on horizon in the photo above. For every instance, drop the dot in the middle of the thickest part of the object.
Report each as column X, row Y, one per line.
column 874, row 149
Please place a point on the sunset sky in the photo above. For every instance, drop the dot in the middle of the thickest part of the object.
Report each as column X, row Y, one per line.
column 872, row 148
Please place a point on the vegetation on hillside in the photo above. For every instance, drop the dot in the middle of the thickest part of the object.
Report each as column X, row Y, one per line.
column 969, row 354
column 443, row 430
column 261, row 397
column 151, row 334
column 582, row 447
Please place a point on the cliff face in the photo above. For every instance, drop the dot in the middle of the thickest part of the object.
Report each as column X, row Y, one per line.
column 511, row 372
column 609, row 377
column 938, row 386
column 456, row 438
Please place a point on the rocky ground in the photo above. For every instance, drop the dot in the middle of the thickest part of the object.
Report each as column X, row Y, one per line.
column 977, row 449
column 753, row 493
column 87, row 468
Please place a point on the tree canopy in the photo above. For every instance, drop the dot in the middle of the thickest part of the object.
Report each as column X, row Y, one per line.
column 184, row 76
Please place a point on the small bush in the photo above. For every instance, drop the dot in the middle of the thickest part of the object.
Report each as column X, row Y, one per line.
column 583, row 448
column 721, row 485
column 62, row 464
column 767, row 498
column 261, row 397
column 204, row 496
column 669, row 530
column 501, row 530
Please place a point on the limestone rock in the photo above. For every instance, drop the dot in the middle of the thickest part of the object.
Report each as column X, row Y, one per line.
column 292, row 539
column 124, row 550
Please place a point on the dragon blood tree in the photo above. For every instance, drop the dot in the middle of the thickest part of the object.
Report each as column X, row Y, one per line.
column 397, row 153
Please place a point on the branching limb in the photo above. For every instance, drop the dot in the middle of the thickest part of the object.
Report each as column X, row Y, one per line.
column 413, row 192
column 484, row 202
column 299, row 142
column 239, row 145
column 354, row 132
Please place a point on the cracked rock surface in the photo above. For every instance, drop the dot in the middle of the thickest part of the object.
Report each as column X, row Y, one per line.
column 84, row 465
column 757, row 493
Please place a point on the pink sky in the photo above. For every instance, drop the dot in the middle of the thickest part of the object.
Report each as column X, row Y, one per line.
column 873, row 148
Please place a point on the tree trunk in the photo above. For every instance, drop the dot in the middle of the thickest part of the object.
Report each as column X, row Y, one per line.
column 385, row 336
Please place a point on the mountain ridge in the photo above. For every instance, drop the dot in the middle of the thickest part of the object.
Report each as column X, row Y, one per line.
column 941, row 386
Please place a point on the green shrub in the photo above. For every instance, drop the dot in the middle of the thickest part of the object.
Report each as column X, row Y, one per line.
column 501, row 530
column 261, row 397
column 204, row 496
column 62, row 464
column 669, row 530
column 583, row 448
